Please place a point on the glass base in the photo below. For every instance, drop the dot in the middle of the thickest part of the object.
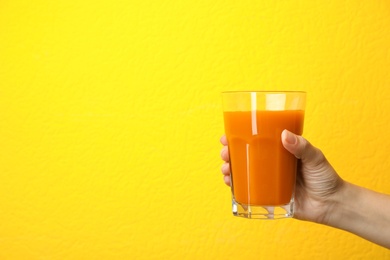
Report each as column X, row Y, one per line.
column 263, row 212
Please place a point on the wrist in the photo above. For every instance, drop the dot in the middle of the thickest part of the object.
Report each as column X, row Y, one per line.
column 341, row 206
column 362, row 212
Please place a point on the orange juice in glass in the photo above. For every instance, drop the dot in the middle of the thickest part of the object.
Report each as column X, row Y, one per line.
column 263, row 173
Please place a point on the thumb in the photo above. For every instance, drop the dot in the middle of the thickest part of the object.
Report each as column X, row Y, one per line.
column 301, row 148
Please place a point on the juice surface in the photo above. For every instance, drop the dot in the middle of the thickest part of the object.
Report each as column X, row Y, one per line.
column 263, row 172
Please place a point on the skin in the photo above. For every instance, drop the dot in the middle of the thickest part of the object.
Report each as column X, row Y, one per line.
column 323, row 197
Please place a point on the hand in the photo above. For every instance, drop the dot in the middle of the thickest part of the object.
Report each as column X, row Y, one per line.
column 317, row 181
column 322, row 196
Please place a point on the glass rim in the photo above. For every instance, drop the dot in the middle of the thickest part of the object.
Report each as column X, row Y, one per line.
column 264, row 91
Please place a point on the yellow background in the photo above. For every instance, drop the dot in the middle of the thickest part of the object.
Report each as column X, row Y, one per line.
column 110, row 118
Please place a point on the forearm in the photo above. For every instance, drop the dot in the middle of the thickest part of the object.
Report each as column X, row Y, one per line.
column 363, row 212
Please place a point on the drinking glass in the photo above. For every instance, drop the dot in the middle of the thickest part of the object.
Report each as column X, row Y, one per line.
column 263, row 172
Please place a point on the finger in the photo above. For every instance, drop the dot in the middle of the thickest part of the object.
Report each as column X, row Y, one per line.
column 223, row 140
column 225, row 169
column 302, row 149
column 226, row 179
column 225, row 153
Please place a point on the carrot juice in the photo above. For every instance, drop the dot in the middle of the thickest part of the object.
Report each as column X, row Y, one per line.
column 262, row 171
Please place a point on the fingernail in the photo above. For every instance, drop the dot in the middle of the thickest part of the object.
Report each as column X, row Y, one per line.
column 290, row 138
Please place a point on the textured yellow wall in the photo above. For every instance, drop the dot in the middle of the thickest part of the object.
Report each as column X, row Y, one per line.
column 110, row 118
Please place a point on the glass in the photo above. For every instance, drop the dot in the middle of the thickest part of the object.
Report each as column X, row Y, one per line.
column 263, row 172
